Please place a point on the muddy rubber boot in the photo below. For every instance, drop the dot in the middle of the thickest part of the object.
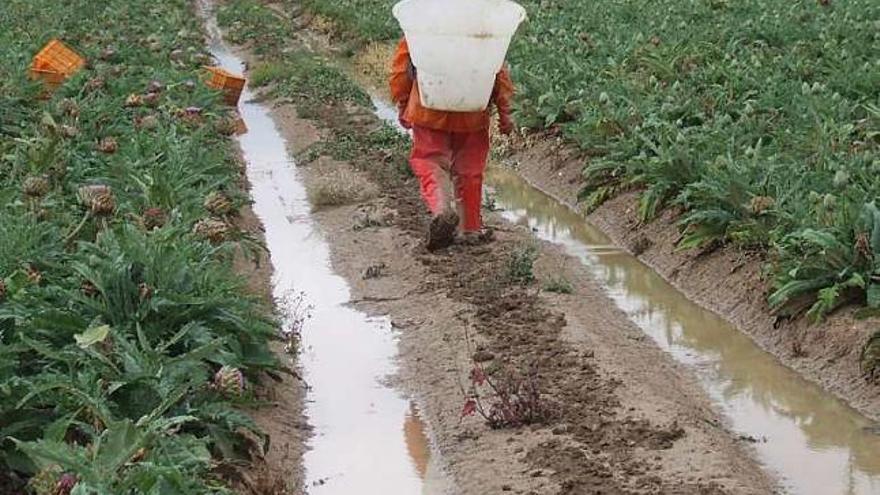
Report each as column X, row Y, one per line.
column 441, row 232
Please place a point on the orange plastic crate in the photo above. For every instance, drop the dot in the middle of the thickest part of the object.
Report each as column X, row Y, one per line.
column 230, row 84
column 55, row 63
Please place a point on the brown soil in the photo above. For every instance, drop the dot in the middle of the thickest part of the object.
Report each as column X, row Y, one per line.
column 726, row 281
column 10, row 483
column 611, row 422
column 278, row 470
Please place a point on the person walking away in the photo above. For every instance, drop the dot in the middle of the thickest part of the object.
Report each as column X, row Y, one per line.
column 448, row 147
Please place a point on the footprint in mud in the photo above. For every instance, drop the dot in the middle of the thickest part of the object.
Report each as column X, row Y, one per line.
column 372, row 217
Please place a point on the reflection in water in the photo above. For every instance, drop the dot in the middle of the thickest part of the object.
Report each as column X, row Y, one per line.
column 416, row 441
column 813, row 441
column 358, row 446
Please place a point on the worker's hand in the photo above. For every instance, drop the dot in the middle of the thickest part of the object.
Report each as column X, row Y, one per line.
column 505, row 123
column 401, row 112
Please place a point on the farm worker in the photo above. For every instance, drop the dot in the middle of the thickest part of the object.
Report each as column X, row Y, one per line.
column 448, row 145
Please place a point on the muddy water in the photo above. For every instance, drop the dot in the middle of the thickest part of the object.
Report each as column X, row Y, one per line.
column 813, row 442
column 367, row 437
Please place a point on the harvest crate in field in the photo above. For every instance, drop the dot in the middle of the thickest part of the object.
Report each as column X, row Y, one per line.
column 230, row 84
column 55, row 63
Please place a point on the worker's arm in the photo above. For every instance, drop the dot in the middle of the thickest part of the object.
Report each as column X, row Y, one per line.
column 401, row 81
column 502, row 95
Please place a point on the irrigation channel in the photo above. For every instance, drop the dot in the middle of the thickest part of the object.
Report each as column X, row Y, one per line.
column 367, row 437
column 813, row 442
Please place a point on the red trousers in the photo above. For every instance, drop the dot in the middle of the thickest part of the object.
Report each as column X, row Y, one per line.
column 437, row 157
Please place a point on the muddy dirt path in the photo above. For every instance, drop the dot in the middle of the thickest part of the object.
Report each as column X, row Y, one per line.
column 614, row 427
column 813, row 441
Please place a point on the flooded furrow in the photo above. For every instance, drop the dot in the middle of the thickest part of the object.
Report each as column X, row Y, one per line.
column 813, row 442
column 368, row 438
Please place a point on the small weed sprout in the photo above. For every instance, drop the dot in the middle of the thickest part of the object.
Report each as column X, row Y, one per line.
column 513, row 400
column 337, row 188
column 559, row 285
column 521, row 264
column 295, row 311
column 269, row 72
column 489, row 201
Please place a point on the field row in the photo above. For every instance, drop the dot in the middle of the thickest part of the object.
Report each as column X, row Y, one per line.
column 127, row 343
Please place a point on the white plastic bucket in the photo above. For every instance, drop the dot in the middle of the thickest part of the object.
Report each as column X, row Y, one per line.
column 458, row 47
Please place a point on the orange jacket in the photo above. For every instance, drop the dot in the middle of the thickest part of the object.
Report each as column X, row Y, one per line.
column 406, row 95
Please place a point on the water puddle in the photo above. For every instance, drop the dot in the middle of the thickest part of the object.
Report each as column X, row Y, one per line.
column 813, row 442
column 367, row 437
